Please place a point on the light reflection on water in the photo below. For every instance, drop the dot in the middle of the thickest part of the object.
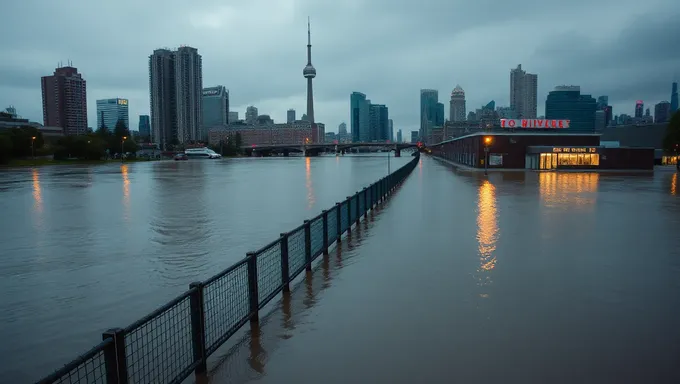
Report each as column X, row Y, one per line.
column 487, row 231
column 308, row 183
column 126, row 191
column 579, row 189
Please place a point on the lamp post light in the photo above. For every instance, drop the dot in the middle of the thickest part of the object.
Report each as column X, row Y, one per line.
column 33, row 147
column 487, row 143
column 122, row 148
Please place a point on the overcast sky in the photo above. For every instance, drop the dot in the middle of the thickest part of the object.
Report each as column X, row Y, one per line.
column 388, row 49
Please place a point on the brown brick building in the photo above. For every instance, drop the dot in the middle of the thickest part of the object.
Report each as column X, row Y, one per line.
column 64, row 98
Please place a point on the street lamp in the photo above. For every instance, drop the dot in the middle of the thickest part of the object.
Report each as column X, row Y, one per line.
column 33, row 147
column 488, row 140
column 122, row 148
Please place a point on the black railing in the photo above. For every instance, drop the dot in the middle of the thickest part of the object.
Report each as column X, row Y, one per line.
column 176, row 339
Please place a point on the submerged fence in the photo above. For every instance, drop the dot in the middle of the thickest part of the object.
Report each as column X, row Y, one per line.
column 176, row 339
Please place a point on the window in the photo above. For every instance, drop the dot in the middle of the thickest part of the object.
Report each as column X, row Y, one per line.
column 578, row 159
column 669, row 160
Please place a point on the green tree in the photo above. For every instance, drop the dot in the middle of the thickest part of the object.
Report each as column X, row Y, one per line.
column 5, row 148
column 671, row 142
column 23, row 143
column 90, row 147
column 121, row 130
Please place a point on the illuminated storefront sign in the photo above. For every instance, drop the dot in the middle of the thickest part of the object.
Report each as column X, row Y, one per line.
column 122, row 102
column 534, row 123
column 574, row 150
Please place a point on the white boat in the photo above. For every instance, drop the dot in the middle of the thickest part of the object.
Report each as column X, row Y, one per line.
column 206, row 153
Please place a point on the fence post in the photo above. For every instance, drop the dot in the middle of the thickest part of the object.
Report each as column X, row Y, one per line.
column 254, row 301
column 198, row 326
column 114, row 357
column 285, row 278
column 365, row 202
column 338, row 218
column 308, row 246
column 357, row 208
column 374, row 195
column 324, row 214
column 349, row 214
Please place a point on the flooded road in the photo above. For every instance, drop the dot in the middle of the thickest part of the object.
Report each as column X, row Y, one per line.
column 87, row 248
column 460, row 278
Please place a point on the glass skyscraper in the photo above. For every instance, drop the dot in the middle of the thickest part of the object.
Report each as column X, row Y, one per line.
column 567, row 103
column 109, row 111
column 431, row 113
column 145, row 126
column 359, row 117
column 215, row 107
column 379, row 125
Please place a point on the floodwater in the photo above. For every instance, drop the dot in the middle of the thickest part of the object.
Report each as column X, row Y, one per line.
column 511, row 278
column 87, row 248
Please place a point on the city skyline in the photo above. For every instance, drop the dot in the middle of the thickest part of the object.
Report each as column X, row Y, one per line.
column 263, row 68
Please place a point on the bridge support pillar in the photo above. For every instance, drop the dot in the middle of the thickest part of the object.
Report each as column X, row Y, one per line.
column 286, row 153
column 397, row 152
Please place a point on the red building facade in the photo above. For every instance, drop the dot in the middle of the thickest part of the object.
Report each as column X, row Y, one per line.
column 64, row 96
column 541, row 151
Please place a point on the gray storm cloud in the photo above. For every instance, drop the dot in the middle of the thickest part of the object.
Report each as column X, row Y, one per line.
column 388, row 49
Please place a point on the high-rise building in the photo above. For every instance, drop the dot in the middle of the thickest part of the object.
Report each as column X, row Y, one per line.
column 189, row 91
column 674, row 97
column 429, row 111
column 567, row 102
column 603, row 105
column 64, row 97
column 144, row 126
column 342, row 133
column 639, row 108
column 360, row 119
column 415, row 136
column 379, row 125
column 232, row 117
column 162, row 96
column 321, row 131
column 390, row 136
column 399, row 137
column 290, row 116
column 176, row 93
column 599, row 120
column 110, row 112
column 439, row 117
column 662, row 112
column 251, row 115
column 215, row 107
column 457, row 104
column 309, row 72
column 523, row 93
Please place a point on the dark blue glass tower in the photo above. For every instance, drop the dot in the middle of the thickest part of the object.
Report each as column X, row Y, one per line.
column 569, row 104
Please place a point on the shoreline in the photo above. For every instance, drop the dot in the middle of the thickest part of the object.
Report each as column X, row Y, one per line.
column 20, row 163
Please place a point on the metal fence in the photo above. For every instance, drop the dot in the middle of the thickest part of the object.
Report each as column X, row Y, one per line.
column 176, row 339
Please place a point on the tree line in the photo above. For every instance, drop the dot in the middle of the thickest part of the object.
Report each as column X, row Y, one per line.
column 231, row 146
column 27, row 141
column 671, row 142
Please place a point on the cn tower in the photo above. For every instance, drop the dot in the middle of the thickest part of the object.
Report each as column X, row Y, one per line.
column 309, row 73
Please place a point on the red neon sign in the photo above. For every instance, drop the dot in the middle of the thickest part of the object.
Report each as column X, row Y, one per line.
column 534, row 123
